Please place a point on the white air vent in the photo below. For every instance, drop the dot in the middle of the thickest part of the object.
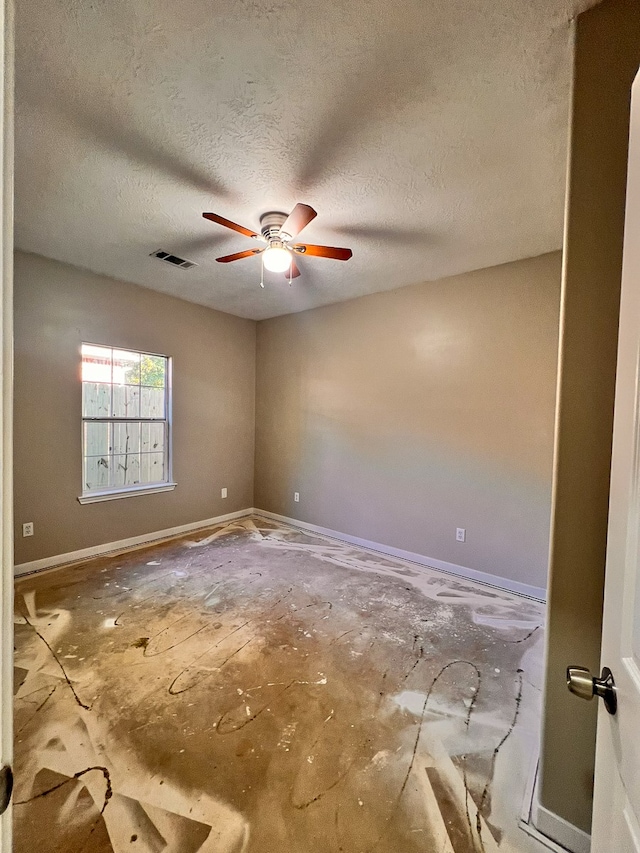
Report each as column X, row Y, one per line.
column 174, row 260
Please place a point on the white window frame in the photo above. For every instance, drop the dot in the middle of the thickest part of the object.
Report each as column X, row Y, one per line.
column 95, row 496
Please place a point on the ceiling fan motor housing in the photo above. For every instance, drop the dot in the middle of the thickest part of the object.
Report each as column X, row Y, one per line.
column 270, row 225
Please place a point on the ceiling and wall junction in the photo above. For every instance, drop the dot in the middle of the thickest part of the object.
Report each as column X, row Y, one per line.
column 431, row 138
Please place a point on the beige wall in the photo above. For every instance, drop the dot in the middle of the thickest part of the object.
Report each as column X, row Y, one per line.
column 56, row 308
column 606, row 59
column 403, row 415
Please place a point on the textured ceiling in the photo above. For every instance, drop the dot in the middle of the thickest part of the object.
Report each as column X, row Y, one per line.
column 430, row 136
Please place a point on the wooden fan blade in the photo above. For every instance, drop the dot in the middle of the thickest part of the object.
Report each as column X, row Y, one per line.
column 323, row 251
column 238, row 256
column 295, row 270
column 299, row 218
column 213, row 217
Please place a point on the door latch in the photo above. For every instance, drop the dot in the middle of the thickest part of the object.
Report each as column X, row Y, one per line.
column 581, row 683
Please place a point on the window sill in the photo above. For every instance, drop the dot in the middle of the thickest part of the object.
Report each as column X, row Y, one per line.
column 134, row 491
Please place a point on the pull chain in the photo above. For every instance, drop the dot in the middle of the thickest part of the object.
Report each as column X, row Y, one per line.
column 262, row 270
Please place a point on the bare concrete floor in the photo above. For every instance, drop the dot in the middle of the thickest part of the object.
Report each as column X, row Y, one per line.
column 260, row 689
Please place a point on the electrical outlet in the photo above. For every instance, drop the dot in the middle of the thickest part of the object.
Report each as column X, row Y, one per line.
column 296, row 497
column 27, row 529
column 461, row 534
column 223, row 493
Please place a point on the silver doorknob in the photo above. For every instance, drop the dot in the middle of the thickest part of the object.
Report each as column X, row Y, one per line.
column 583, row 684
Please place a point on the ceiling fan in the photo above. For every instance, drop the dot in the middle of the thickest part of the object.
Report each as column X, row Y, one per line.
column 278, row 231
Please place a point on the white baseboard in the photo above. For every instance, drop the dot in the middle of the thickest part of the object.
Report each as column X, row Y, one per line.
column 552, row 826
column 496, row 581
column 123, row 544
column 542, row 839
column 419, row 559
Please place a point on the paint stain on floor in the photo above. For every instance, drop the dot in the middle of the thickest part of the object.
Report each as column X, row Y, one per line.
column 262, row 689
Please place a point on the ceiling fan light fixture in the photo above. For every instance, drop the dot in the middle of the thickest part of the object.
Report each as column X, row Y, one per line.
column 277, row 231
column 277, row 259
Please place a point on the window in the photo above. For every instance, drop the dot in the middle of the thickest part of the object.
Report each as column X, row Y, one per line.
column 125, row 423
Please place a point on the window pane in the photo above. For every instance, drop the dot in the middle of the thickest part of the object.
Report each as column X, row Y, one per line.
column 126, row 401
column 126, row 367
column 152, row 370
column 96, row 363
column 96, row 400
column 152, row 468
column 152, row 437
column 152, row 403
column 125, row 470
column 96, row 472
column 96, row 439
column 120, row 387
column 126, row 438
